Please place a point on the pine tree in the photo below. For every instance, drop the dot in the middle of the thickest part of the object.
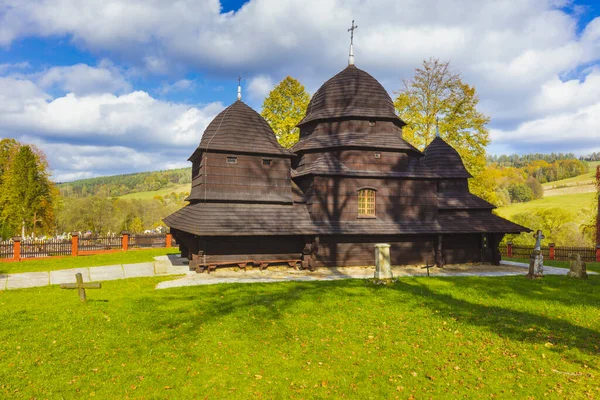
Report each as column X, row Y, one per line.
column 28, row 196
column 283, row 108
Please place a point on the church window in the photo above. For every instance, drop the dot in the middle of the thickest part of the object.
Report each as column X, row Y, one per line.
column 231, row 160
column 366, row 203
column 267, row 161
column 377, row 155
column 371, row 123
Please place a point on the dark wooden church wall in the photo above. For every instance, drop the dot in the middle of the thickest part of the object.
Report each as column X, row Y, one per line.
column 336, row 199
column 257, row 248
column 462, row 248
column 343, row 251
column 248, row 179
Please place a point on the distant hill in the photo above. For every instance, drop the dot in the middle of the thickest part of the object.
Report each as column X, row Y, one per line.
column 127, row 184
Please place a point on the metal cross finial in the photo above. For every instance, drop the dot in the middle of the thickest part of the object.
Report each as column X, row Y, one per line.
column 351, row 30
column 239, row 95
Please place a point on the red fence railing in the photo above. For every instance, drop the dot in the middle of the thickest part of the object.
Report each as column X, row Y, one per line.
column 95, row 243
column 18, row 248
column 34, row 248
column 561, row 253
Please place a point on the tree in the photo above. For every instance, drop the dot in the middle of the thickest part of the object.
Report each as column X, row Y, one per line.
column 437, row 92
column 28, row 197
column 283, row 108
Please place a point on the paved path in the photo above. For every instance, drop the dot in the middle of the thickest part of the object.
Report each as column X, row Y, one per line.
column 164, row 265
column 171, row 265
column 507, row 268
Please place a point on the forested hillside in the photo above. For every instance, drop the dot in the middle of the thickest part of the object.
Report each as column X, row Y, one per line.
column 119, row 185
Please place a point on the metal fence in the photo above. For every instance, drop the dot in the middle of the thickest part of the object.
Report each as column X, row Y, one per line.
column 33, row 248
column 94, row 243
column 587, row 254
column 147, row 241
column 6, row 249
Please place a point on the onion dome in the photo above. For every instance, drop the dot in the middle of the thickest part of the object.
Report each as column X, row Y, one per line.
column 351, row 93
column 240, row 129
column 444, row 160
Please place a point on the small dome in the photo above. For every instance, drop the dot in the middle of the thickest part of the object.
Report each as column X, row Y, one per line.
column 444, row 160
column 351, row 93
column 240, row 129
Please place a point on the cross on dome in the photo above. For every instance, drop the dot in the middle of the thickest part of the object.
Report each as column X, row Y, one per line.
column 351, row 56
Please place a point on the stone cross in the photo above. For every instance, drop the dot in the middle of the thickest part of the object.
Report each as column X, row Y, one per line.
column 538, row 240
column 80, row 286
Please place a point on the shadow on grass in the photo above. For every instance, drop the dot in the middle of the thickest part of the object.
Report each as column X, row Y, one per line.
column 182, row 312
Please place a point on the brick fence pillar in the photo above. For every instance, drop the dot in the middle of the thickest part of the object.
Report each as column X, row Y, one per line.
column 168, row 240
column 124, row 240
column 509, row 249
column 17, row 248
column 551, row 251
column 75, row 244
column 598, row 253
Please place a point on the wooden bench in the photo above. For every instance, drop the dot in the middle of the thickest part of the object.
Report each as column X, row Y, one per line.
column 263, row 264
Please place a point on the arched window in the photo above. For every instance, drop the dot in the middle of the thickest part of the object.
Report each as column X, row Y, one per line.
column 366, row 203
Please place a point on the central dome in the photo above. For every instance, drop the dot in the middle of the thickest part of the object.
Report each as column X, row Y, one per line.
column 351, row 93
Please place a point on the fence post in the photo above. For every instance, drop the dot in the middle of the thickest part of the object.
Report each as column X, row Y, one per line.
column 509, row 249
column 598, row 253
column 124, row 240
column 168, row 240
column 75, row 244
column 551, row 251
column 17, row 248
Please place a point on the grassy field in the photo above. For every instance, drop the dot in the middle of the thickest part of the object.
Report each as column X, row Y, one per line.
column 96, row 260
column 162, row 192
column 421, row 337
column 585, row 179
column 574, row 203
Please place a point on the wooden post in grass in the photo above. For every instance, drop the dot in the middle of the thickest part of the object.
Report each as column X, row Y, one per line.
column 80, row 286
column 75, row 244
column 124, row 240
column 17, row 248
column 551, row 251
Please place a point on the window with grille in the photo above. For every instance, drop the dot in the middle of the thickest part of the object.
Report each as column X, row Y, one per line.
column 366, row 203
column 231, row 160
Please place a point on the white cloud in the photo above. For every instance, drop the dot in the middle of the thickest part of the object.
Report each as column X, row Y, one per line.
column 516, row 53
column 259, row 87
column 82, row 79
column 179, row 86
column 87, row 134
column 6, row 67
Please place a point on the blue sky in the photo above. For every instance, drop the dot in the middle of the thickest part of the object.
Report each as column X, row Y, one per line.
column 118, row 86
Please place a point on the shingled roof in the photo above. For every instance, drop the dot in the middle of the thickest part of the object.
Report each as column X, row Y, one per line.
column 240, row 129
column 351, row 93
column 444, row 160
column 322, row 139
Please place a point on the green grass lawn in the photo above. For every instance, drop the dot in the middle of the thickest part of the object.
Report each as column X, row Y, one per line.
column 424, row 337
column 162, row 192
column 591, row 266
column 574, row 203
column 96, row 260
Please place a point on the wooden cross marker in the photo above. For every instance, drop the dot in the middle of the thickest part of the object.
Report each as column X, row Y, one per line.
column 80, row 286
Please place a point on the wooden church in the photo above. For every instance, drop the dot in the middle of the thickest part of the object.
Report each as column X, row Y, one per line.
column 350, row 182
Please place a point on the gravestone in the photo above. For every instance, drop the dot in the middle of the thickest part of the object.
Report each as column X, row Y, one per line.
column 577, row 268
column 383, row 269
column 536, row 260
